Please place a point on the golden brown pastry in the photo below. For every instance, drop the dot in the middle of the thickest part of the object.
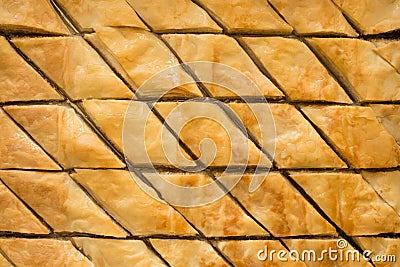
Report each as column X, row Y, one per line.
column 18, row 81
column 60, row 202
column 142, row 54
column 387, row 185
column 280, row 207
column 356, row 132
column 371, row 77
column 296, row 69
column 298, row 145
column 74, row 66
column 244, row 253
column 177, row 16
column 247, row 16
column 225, row 50
column 372, row 16
column 4, row 262
column 91, row 13
column 389, row 51
column 109, row 115
column 304, row 246
column 220, row 218
column 37, row 16
column 43, row 252
column 389, row 117
column 17, row 150
column 314, row 17
column 123, row 253
column 350, row 202
column 15, row 217
column 65, row 136
column 130, row 205
column 384, row 248
column 181, row 253
column 228, row 139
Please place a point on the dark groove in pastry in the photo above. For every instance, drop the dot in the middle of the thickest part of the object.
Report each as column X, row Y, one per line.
column 2, row 253
column 94, row 200
column 64, row 18
column 80, row 250
column 33, row 102
column 152, row 249
column 341, row 232
column 34, row 213
column 349, row 19
column 32, row 139
column 213, row 16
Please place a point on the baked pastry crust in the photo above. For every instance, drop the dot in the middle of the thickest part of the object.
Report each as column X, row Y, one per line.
column 370, row 76
column 389, row 51
column 278, row 206
column 43, row 252
column 181, row 15
column 130, row 205
column 254, row 16
column 18, row 81
column 314, row 17
column 17, row 150
column 74, row 66
column 109, row 115
column 358, row 135
column 213, row 219
column 220, row 129
column 182, row 253
column 350, row 202
column 60, row 201
column 298, row 145
column 109, row 252
column 15, row 217
column 243, row 253
column 35, row 16
column 65, row 136
column 91, row 13
column 4, row 262
column 389, row 117
column 221, row 49
column 387, row 185
column 372, row 16
column 296, row 69
column 142, row 55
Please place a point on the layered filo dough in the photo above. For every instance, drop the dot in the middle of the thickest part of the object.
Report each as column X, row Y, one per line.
column 111, row 252
column 60, row 202
column 372, row 16
column 36, row 16
column 357, row 134
column 65, row 136
column 90, row 13
column 188, row 253
column 350, row 202
column 20, row 82
column 123, row 198
column 280, row 207
column 314, row 17
column 181, row 15
column 388, row 249
column 224, row 50
column 146, row 138
column 255, row 16
column 389, row 51
column 369, row 76
column 74, row 66
column 389, row 117
column 43, row 252
column 140, row 54
column 296, row 69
